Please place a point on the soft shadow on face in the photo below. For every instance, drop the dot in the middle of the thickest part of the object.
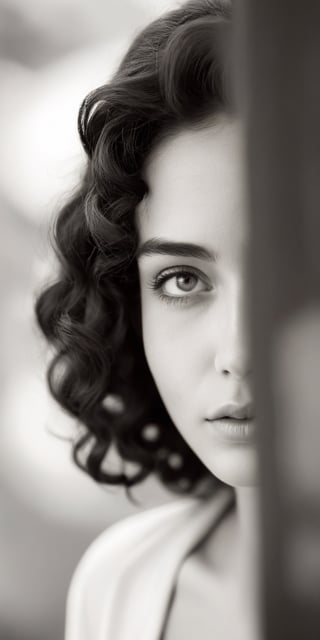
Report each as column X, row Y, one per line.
column 194, row 299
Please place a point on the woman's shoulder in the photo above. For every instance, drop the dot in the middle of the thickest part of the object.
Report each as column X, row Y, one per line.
column 129, row 553
column 122, row 536
column 108, row 557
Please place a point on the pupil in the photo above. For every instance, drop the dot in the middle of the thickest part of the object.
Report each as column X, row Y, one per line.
column 186, row 283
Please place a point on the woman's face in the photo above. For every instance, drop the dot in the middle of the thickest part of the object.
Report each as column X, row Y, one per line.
column 194, row 299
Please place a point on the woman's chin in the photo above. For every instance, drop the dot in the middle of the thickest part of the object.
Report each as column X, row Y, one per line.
column 237, row 467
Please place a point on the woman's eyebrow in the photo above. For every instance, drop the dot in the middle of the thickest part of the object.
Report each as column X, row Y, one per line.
column 161, row 246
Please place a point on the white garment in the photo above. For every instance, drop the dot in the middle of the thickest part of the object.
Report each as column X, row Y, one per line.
column 122, row 586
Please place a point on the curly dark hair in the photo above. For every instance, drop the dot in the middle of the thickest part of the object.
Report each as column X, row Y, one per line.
column 172, row 76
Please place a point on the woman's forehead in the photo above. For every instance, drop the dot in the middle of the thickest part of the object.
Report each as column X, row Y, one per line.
column 196, row 184
column 180, row 152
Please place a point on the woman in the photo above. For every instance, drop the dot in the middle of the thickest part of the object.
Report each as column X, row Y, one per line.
column 149, row 321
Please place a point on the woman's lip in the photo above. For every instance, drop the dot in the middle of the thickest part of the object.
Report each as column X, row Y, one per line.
column 233, row 430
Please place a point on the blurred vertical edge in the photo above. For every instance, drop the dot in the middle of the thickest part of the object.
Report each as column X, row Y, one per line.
column 277, row 70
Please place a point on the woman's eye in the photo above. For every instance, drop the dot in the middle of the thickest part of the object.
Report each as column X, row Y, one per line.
column 179, row 285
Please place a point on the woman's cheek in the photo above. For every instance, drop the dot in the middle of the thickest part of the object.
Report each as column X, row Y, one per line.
column 169, row 354
column 163, row 342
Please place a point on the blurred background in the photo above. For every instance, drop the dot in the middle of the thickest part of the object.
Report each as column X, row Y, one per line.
column 52, row 52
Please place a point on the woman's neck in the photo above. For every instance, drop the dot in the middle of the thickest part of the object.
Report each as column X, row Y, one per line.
column 247, row 525
column 247, row 554
column 232, row 552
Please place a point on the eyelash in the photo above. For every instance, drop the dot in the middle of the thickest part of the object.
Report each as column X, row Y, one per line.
column 166, row 275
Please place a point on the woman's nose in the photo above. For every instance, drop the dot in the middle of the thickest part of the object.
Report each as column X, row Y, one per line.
column 233, row 349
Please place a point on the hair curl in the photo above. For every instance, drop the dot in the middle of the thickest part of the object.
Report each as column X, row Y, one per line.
column 171, row 76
